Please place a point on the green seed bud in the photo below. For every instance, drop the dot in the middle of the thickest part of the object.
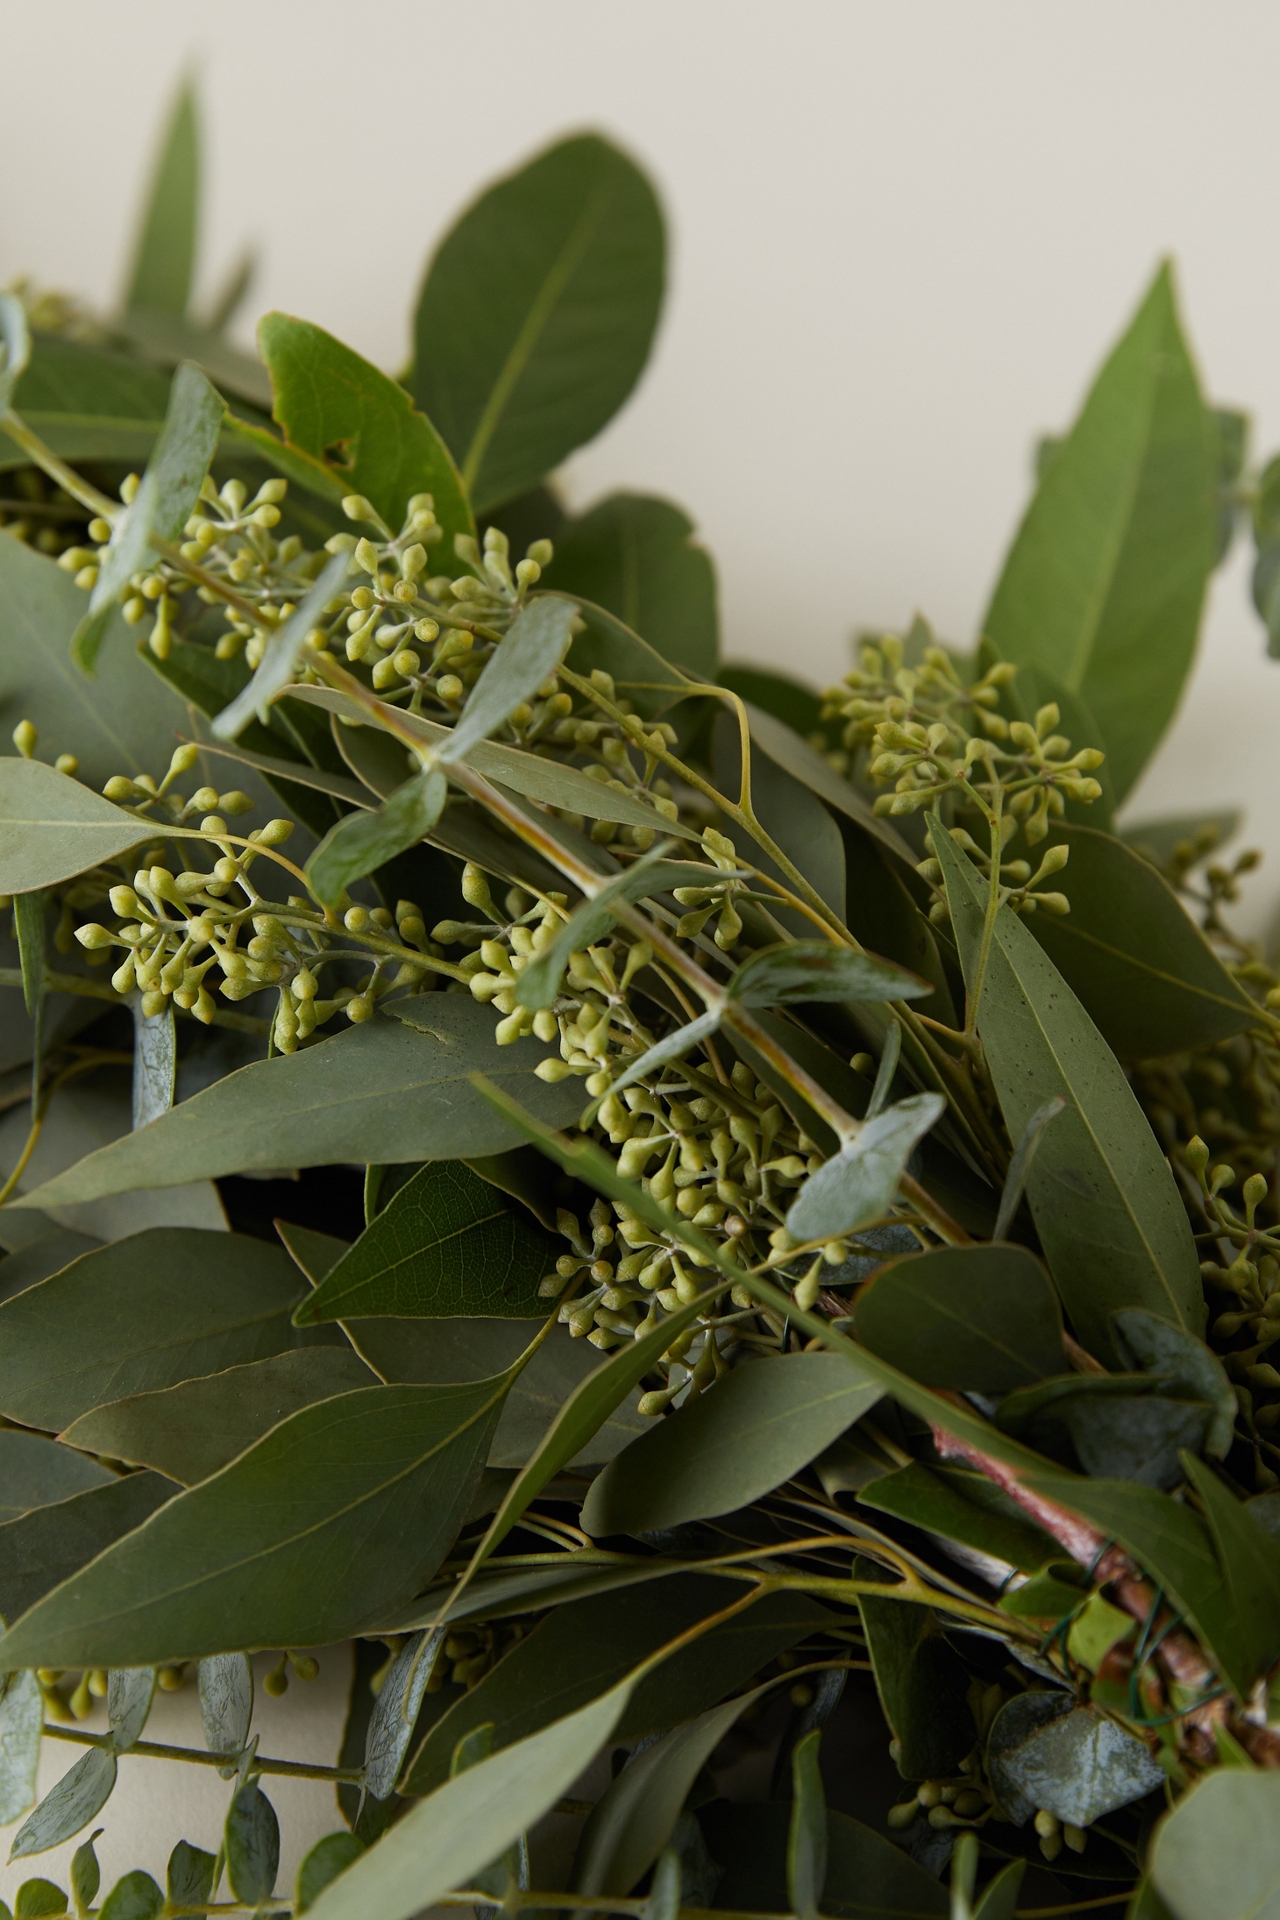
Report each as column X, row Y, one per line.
column 67, row 763
column 235, row 802
column 24, row 739
column 92, row 935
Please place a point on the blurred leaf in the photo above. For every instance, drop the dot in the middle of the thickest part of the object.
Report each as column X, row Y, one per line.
column 818, row 970
column 1144, row 1340
column 921, row 1683
column 87, row 403
column 860, row 1183
column 15, row 346
column 82, row 1791
column 165, row 255
column 786, row 750
column 1158, row 840
column 637, row 556
column 1081, row 1766
column 961, row 1506
column 884, row 916
column 537, row 314
column 983, row 1318
column 1216, row 1856
column 54, row 828
column 868, row 1877
column 21, row 1722
column 1249, row 1556
column 1143, row 971
column 190, row 1875
column 35, row 1471
column 446, row 1244
column 1109, row 1216
column 729, row 1446
column 130, row 1691
column 326, row 1860
column 251, row 1842
column 163, row 1306
column 795, row 819
column 134, row 1897
column 360, row 427
column 807, row 1841
column 380, row 1092
column 342, row 1509
column 361, row 842
column 776, row 694
column 1105, row 579
column 279, row 662
column 38, row 1897
column 1036, row 687
column 86, row 1875
column 225, row 1685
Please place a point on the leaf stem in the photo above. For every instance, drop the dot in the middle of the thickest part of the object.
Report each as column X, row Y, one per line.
column 43, row 457
column 154, row 1750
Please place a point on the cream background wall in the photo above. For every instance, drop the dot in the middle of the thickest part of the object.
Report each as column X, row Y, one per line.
column 904, row 232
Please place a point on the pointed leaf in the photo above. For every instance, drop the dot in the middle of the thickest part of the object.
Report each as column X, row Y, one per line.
column 860, row 1182
column 129, row 1694
column 326, row 1860
column 53, row 828
column 362, row 842
column 920, row 1681
column 803, row 970
column 1144, row 1340
column 21, row 1723
column 965, row 1507
column 280, row 660
column 539, row 982
column 1249, row 1556
column 1081, row 1767
column 807, row 1841
column 165, row 255
column 82, row 1791
column 155, row 1063
column 225, row 1684
column 981, row 1318
column 395, row 1713
column 533, row 647
column 35, row 1471
column 672, row 1046
column 86, row 1875
column 638, row 556
column 1023, row 1154
column 28, row 922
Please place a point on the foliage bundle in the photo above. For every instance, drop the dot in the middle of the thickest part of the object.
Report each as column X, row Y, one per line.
column 771, row 1317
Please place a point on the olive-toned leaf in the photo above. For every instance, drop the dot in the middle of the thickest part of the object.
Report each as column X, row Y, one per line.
column 325, row 1861
column 342, row 1509
column 539, row 982
column 1106, row 576
column 87, row 403
column 537, row 313
column 533, row 647
column 448, row 1243
column 632, row 1822
column 1249, row 1556
column 130, row 1691
column 800, row 970
column 384, row 1091
column 921, row 1683
column 279, row 662
column 82, row 1791
column 359, row 427
column 1018, row 1721
column 35, row 1471
column 189, row 1430
column 1159, row 840
column 165, row 254
column 981, row 1318
column 1129, row 951
column 1216, row 1856
column 859, row 1183
column 162, row 505
column 1080, row 1766
column 471, row 1819
column 48, row 1544
column 189, row 1875
column 1144, row 1340
column 964, row 1507
column 1119, row 1426
column 15, row 346
column 364, row 841
column 251, row 1843
column 395, row 1713
column 86, row 1875
column 1113, row 1227
column 39, row 1897
column 728, row 1447
column 1024, row 1153
column 868, row 1877
column 21, row 1721
column 638, row 556
column 135, row 1896
column 28, row 925
column 804, row 763
column 166, row 1305
column 807, row 1839
column 54, row 828
column 225, row 1685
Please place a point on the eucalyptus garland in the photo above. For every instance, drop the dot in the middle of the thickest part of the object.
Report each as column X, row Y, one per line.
column 781, row 1260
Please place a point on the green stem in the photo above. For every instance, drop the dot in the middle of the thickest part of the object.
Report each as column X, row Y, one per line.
column 44, row 458
column 153, row 1750
column 989, row 919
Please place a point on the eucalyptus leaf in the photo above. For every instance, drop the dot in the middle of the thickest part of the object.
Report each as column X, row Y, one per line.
column 251, row 1844
column 28, row 925
column 1216, row 1856
column 54, row 828
column 868, row 1877
column 87, row 402
column 82, row 1791
column 325, row 1861
column 729, row 1446
column 36, row 1472
column 800, row 970
column 1024, row 1153
column 1110, row 1219
column 189, row 1875
column 807, row 1840
column 1144, row 1340
column 804, row 763
column 1249, row 1556
column 155, row 1063
column 130, row 1691
column 135, row 1896
column 1081, row 1766
column 279, row 662
column 225, row 1685
column 638, row 556
column 539, row 981
column 40, row 1548
column 1018, row 1721
column 531, row 650
column 672, row 1046
column 165, row 253
column 1159, row 840
column 920, row 1681
column 382, row 1091
column 395, row 1712
column 15, row 343
column 21, row 1724
column 964, row 1507
column 537, row 313
column 86, row 1875
column 362, row 842
column 983, row 1318
column 797, row 822
column 860, row 1182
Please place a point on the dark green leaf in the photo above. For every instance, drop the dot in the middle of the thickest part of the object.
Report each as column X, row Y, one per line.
column 165, row 255
column 1019, row 1720
column 21, row 1721
column 48, row 1544
column 1216, row 1856
column 384, row 1091
column 537, row 313
column 54, row 828
column 817, row 970
column 1120, row 1426
column 961, row 1506
column 251, row 1842
column 868, row 1878
column 637, row 556
column 1080, row 1766
column 342, row 1509
column 364, row 841
column 921, row 1683
column 807, row 1840
column 166, row 1305
column 982, row 1318
column 279, row 662
column 1144, row 1340
column 35, row 1472
column 1144, row 973
column 859, row 1183
column 776, row 694
column 729, row 1446
column 190, row 1874
column 86, row 1875
column 225, row 1684
column 788, row 752
column 82, row 1791
column 28, row 921
column 1110, row 1219
column 326, row 1860
column 1105, row 579
column 1159, row 840
column 1249, row 1556
column 15, row 346
column 87, row 403
column 446, row 1244
column 360, row 427
column 135, row 1897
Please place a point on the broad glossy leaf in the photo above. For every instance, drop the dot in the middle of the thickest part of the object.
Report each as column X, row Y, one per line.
column 1113, row 1227
column 471, row 1819
column 868, row 1877
column 540, row 980
column 362, row 842
column 860, row 1182
column 225, row 1683
column 1144, row 1340
column 360, row 426
column 729, row 1446
column 531, row 650
column 51, row 1542
column 15, row 346
column 395, row 1712
column 166, row 1305
column 54, row 828
column 1105, row 579
column 279, row 662
column 162, row 505
column 537, row 313
column 189, row 1430
column 35, row 1471
column 384, row 1091
column 983, row 1318
column 21, row 1721
column 342, row 1509
column 801, row 970
column 251, row 1841
column 961, row 1506
column 1129, row 951
column 325, row 1861
column 921, row 1683
column 82, row 1791
column 155, row 1063
column 1081, row 1766
column 583, row 1647
column 1216, row 1856
column 448, row 1243
column 1249, row 1556
column 165, row 255
column 130, row 1691
column 632, row 1822
column 638, row 556
column 135, row 1896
